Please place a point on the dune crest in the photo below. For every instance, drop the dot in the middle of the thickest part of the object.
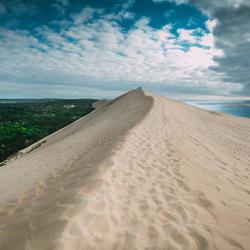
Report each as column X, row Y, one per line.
column 141, row 172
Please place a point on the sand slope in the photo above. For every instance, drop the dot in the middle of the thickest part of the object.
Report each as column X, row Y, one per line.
column 141, row 172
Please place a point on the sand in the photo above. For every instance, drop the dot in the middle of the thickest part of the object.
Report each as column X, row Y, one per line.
column 140, row 172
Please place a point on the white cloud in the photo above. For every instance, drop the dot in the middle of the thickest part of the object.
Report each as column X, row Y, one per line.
column 127, row 4
column 101, row 52
column 208, row 40
column 60, row 5
column 85, row 15
column 187, row 36
column 172, row 1
column 190, row 37
column 215, row 4
column 211, row 24
column 198, row 36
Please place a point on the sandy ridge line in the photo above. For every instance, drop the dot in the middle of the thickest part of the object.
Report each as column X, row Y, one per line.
column 159, row 193
column 174, row 179
column 53, row 196
column 142, row 198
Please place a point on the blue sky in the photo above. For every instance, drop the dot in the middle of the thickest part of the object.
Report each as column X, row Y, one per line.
column 94, row 48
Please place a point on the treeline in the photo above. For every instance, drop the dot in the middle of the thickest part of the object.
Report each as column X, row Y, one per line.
column 23, row 123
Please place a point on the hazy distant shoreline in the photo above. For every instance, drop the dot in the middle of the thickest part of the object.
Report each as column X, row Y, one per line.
column 238, row 108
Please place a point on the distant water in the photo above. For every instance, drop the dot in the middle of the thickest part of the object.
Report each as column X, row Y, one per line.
column 238, row 108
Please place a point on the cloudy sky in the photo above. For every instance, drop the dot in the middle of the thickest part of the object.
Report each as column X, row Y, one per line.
column 101, row 48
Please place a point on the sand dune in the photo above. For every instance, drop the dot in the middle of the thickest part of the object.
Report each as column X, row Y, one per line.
column 140, row 172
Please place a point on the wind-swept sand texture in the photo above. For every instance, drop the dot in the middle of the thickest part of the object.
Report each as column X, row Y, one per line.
column 141, row 172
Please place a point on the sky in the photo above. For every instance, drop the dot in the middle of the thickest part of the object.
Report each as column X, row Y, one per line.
column 101, row 48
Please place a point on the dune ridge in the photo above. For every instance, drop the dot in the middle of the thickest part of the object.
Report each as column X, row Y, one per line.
column 141, row 172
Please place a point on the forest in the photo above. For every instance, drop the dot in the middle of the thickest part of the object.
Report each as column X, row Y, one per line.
column 23, row 122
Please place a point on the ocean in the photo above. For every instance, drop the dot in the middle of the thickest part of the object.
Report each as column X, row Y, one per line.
column 237, row 108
